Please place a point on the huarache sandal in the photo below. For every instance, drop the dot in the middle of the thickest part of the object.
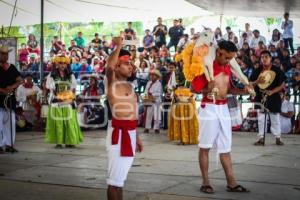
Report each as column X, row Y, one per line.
column 279, row 142
column 207, row 189
column 260, row 142
column 237, row 188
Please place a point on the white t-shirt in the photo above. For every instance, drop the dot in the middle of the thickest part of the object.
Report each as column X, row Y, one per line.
column 255, row 41
column 285, row 122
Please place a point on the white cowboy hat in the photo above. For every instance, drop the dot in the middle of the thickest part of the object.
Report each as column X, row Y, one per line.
column 5, row 49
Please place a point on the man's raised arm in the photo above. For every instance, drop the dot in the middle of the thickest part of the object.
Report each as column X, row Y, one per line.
column 112, row 60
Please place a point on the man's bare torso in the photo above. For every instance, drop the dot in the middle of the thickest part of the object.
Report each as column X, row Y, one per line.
column 222, row 83
column 123, row 101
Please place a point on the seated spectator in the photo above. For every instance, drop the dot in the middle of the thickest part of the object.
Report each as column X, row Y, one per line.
column 23, row 55
column 246, row 49
column 142, row 76
column 21, row 123
column 33, row 67
column 287, row 112
column 276, row 37
column 183, row 42
column 56, row 45
column 27, row 96
column 236, row 42
column 273, row 51
column 160, row 67
column 250, row 123
column 73, row 46
column 93, row 90
column 285, row 60
column 261, row 47
column 96, row 42
column 244, row 39
column 75, row 66
column 43, row 100
column 164, row 53
column 93, row 113
column 281, row 48
column 169, row 84
column 98, row 65
column 218, row 35
column 229, row 34
column 32, row 44
column 257, row 37
column 293, row 62
column 84, row 68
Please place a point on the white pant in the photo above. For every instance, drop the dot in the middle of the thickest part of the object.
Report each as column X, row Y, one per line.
column 118, row 167
column 275, row 124
column 153, row 111
column 215, row 128
column 5, row 135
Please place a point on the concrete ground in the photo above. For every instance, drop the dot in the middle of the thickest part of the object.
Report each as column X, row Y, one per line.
column 164, row 171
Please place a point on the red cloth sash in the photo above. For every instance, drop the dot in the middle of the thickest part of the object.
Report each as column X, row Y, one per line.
column 124, row 126
column 211, row 101
column 200, row 81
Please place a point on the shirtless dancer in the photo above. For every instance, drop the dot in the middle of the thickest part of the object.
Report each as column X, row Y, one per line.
column 122, row 139
column 214, row 118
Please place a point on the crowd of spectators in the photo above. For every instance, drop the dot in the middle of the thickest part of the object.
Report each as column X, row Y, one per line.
column 158, row 49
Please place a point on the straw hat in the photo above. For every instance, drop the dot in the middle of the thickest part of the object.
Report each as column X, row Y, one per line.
column 156, row 72
column 269, row 77
column 5, row 49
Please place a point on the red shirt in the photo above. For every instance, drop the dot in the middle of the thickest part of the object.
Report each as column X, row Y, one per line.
column 200, row 81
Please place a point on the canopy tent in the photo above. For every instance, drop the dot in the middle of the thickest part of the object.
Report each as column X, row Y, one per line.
column 250, row 8
column 28, row 11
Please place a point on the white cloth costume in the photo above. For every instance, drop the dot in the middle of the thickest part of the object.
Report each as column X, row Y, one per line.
column 215, row 127
column 285, row 122
column 118, row 166
column 275, row 124
column 5, row 135
column 154, row 110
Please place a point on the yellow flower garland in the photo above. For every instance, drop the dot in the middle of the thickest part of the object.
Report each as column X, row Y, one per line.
column 183, row 92
column 193, row 61
column 61, row 59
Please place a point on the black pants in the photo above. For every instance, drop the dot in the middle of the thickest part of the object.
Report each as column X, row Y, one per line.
column 173, row 43
column 288, row 42
column 165, row 113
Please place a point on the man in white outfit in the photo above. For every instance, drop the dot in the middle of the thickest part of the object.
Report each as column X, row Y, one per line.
column 154, row 91
column 287, row 112
column 10, row 79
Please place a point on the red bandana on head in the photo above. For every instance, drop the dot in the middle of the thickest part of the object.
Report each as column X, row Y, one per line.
column 200, row 81
column 125, row 58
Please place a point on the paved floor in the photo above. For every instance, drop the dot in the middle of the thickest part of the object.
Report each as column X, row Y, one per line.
column 164, row 171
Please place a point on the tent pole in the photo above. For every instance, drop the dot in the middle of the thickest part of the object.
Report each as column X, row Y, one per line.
column 42, row 43
column 221, row 21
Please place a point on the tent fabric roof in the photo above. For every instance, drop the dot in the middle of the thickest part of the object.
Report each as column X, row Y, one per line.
column 28, row 11
column 250, row 8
